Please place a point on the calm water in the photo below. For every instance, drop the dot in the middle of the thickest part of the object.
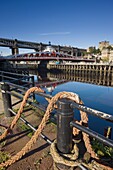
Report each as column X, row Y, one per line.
column 94, row 96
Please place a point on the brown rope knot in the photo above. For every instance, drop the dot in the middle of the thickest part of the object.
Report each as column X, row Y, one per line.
column 66, row 159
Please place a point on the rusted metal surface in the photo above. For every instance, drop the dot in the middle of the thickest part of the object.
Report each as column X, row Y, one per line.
column 94, row 112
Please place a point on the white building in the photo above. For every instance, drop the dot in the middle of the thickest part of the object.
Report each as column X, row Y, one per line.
column 111, row 56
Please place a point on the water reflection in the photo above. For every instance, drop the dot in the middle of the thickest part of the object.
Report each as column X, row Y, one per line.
column 98, row 97
column 91, row 77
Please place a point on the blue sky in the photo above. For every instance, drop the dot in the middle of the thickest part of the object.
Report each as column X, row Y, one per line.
column 79, row 23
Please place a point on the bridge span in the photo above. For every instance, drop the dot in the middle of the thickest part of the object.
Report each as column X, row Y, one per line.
column 15, row 44
column 47, row 56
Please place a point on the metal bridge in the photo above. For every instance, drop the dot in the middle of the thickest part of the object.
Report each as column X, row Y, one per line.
column 47, row 56
column 15, row 44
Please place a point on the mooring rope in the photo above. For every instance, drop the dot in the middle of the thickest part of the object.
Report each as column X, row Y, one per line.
column 69, row 95
column 29, row 91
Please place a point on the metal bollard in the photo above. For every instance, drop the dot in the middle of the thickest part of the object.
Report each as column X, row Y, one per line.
column 65, row 115
column 6, row 99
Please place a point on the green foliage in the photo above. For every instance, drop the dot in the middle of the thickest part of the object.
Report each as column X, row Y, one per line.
column 4, row 156
column 44, row 154
column 93, row 50
column 102, row 150
column 110, row 47
column 2, row 144
column 30, row 134
column 105, row 59
column 25, row 127
column 84, row 53
column 98, row 51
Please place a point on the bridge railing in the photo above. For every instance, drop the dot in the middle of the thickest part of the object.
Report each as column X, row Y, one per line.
column 64, row 118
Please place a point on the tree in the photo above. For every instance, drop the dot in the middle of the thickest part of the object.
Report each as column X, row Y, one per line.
column 93, row 50
column 110, row 47
column 105, row 59
column 98, row 51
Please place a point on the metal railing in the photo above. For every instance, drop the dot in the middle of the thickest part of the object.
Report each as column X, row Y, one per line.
column 16, row 78
column 73, row 105
column 64, row 117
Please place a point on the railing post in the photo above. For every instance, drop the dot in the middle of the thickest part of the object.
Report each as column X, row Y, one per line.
column 107, row 132
column 6, row 99
column 33, row 81
column 33, row 84
column 2, row 76
column 65, row 115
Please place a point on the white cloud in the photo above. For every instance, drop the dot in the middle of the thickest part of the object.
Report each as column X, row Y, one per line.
column 55, row 33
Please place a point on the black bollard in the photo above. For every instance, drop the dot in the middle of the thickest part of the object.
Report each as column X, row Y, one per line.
column 64, row 131
column 6, row 99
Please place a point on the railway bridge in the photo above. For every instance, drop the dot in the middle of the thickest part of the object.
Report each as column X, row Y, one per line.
column 15, row 44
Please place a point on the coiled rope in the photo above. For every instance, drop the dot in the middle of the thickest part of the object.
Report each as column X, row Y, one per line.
column 69, row 95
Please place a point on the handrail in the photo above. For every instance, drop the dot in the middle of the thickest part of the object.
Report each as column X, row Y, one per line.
column 93, row 134
column 25, row 88
column 15, row 74
column 16, row 79
column 84, row 108
column 65, row 117
column 94, row 112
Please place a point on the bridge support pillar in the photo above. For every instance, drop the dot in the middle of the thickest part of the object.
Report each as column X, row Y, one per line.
column 15, row 51
column 59, row 48
column 40, row 47
column 72, row 51
column 76, row 54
